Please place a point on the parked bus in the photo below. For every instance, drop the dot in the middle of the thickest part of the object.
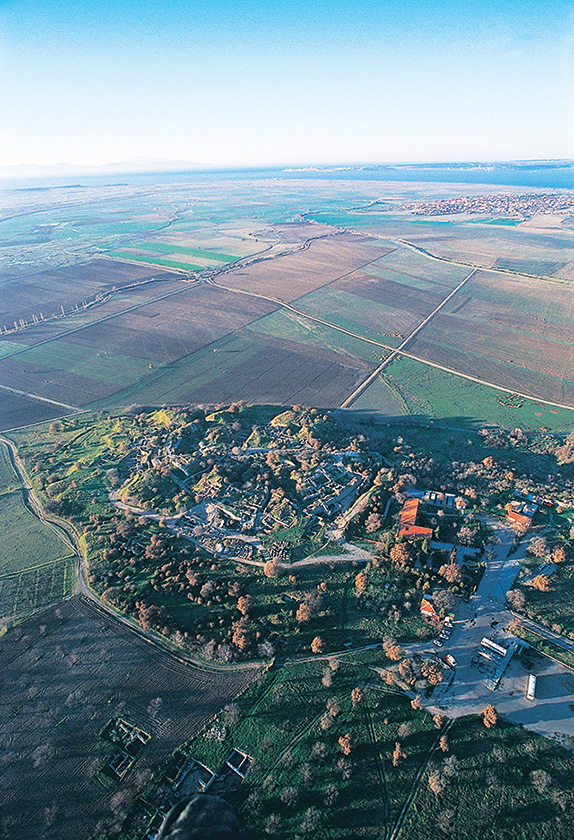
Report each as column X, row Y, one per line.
column 531, row 688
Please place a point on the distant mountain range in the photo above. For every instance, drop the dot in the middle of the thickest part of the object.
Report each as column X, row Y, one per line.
column 137, row 164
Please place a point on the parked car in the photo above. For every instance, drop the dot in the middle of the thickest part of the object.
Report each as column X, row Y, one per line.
column 450, row 660
column 437, row 642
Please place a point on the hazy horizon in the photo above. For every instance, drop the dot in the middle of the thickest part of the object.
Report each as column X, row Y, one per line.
column 252, row 84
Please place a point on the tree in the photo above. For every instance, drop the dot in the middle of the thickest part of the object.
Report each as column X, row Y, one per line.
column 541, row 780
column 516, row 599
column 361, row 582
column 449, row 767
column 333, row 706
column 436, row 781
column 327, row 678
column 438, row 721
column 346, row 744
column 489, row 716
column 306, row 773
column 432, row 672
column 244, row 604
column 317, row 645
column 565, row 453
column 452, row 573
column 446, row 821
column 559, row 554
column 373, row 523
column 311, row 821
column 538, row 546
column 541, row 582
column 303, row 613
column 289, row 796
column 398, row 754
column 319, row 751
column 392, row 649
column 416, row 703
column 270, row 568
column 444, row 600
column 331, row 795
column 443, row 743
column 241, row 637
column 466, row 535
column 400, row 553
column 406, row 671
column 345, row 768
column 357, row 696
column 273, row 824
column 231, row 714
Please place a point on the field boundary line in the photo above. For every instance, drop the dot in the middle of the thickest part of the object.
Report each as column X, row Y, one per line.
column 405, row 353
column 364, row 385
column 379, row 766
column 37, row 397
column 417, row 782
column 561, row 281
column 5, row 575
column 547, row 279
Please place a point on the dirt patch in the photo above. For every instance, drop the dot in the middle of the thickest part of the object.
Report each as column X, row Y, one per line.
column 63, row 675
column 47, row 291
column 321, row 262
column 20, row 411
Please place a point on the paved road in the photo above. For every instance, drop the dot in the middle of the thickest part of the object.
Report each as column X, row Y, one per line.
column 550, row 713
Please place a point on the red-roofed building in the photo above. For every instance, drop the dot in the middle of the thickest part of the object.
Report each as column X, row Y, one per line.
column 408, row 527
column 428, row 610
column 519, row 514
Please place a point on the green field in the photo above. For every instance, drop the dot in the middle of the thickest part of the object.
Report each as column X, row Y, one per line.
column 153, row 260
column 31, row 589
column 296, row 328
column 426, row 392
column 35, row 564
column 168, row 248
column 503, row 783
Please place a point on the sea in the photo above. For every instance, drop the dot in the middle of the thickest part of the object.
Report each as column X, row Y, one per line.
column 549, row 175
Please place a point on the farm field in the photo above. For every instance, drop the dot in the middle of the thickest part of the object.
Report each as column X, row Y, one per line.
column 44, row 293
column 36, row 567
column 325, row 260
column 426, row 393
column 252, row 368
column 64, row 675
column 17, row 410
column 104, row 356
column 516, row 333
column 331, row 249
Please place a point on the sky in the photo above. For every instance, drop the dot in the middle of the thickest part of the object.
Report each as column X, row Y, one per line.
column 262, row 82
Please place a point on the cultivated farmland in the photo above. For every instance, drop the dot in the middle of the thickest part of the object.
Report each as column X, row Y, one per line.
column 516, row 333
column 64, row 675
column 36, row 566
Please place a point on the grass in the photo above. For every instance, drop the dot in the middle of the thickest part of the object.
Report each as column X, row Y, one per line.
column 31, row 589
column 509, row 785
column 128, row 255
column 501, row 783
column 279, row 726
column 36, row 568
column 297, row 329
column 24, row 541
column 436, row 395
column 109, row 368
column 168, row 248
